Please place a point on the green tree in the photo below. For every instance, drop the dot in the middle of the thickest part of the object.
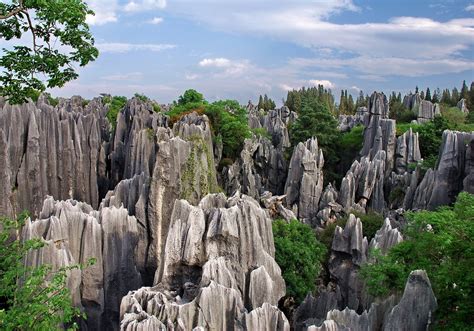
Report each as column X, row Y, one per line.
column 428, row 94
column 299, row 256
column 190, row 96
column 266, row 103
column 315, row 120
column 464, row 91
column 229, row 121
column 440, row 242
column 60, row 39
column 31, row 298
column 455, row 97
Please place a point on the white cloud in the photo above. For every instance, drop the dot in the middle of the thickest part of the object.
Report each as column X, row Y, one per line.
column 356, row 88
column 286, row 87
column 156, row 20
column 229, row 67
column 219, row 62
column 375, row 68
column 132, row 76
column 470, row 8
column 326, row 83
column 414, row 41
column 105, row 12
column 125, row 47
column 137, row 6
column 191, row 76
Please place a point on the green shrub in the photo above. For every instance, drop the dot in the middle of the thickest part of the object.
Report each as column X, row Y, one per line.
column 261, row 132
column 190, row 96
column 371, row 223
column 52, row 101
column 228, row 119
column 315, row 120
column 299, row 256
column 32, row 298
column 327, row 234
column 156, row 108
column 142, row 97
column 116, row 104
column 446, row 252
column 453, row 116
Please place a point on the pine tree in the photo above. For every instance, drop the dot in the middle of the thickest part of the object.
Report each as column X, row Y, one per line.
column 455, row 97
column 416, row 90
column 428, row 94
column 446, row 97
column 342, row 104
column 260, row 102
column 350, row 105
column 464, row 91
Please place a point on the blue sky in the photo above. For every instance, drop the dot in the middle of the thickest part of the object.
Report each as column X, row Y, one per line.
column 239, row 49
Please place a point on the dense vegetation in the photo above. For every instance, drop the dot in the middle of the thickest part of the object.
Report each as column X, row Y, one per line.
column 31, row 298
column 315, row 120
column 44, row 63
column 299, row 256
column 228, row 120
column 116, row 104
column 440, row 242
column 266, row 103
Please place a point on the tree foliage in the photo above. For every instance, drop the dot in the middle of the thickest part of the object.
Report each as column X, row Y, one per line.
column 60, row 39
column 266, row 103
column 31, row 298
column 315, row 120
column 299, row 256
column 440, row 242
column 297, row 98
column 228, row 120
column 116, row 104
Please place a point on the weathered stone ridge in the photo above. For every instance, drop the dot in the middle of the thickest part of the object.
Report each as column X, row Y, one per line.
column 74, row 233
column 219, row 263
column 50, row 151
column 454, row 172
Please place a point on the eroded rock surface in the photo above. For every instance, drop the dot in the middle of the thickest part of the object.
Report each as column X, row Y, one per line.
column 219, row 265
column 74, row 232
column 454, row 172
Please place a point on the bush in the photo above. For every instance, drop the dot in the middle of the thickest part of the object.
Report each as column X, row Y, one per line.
column 116, row 104
column 299, row 256
column 439, row 242
column 327, row 234
column 371, row 223
column 315, row 120
column 261, row 132
column 228, row 120
column 31, row 298
column 348, row 147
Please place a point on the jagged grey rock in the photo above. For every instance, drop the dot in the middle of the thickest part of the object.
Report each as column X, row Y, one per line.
column 73, row 233
column 363, row 184
column 304, row 184
column 347, row 122
column 414, row 311
column 275, row 206
column 184, row 168
column 348, row 252
column 453, row 173
column 416, row 307
column 386, row 237
column 219, row 262
column 462, row 106
column 134, row 146
column 52, row 151
column 408, row 151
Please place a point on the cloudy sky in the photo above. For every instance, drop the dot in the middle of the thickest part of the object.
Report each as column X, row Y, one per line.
column 239, row 49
